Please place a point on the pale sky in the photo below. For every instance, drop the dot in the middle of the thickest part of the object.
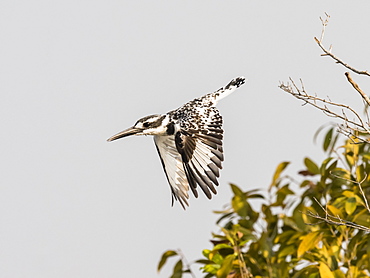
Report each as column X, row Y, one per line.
column 73, row 73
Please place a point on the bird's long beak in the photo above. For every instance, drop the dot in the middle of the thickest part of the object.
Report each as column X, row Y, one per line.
column 127, row 132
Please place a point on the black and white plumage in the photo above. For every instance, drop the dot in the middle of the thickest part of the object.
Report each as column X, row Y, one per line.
column 189, row 142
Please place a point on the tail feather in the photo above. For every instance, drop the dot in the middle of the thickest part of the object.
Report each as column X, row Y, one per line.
column 228, row 89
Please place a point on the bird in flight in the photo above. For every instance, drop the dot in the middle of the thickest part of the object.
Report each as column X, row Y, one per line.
column 189, row 142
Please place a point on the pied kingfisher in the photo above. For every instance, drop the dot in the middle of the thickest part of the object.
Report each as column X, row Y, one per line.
column 189, row 142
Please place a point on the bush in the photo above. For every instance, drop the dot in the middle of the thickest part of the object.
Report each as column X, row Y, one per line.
column 318, row 227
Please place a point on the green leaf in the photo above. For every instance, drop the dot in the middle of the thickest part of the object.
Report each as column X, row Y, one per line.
column 350, row 205
column 164, row 258
column 206, row 253
column 177, row 270
column 318, row 132
column 216, row 258
column 311, row 166
column 222, row 246
column 256, row 196
column 239, row 205
column 323, row 170
column 202, row 261
column 211, row 268
column 288, row 250
column 362, row 218
column 251, row 192
column 226, row 266
column 328, row 138
column 229, row 236
column 236, row 190
column 226, row 215
column 298, row 218
column 279, row 169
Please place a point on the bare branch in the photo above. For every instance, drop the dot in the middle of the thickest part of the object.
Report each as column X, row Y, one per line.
column 338, row 60
column 324, row 24
column 355, row 125
column 327, row 52
column 333, row 220
column 322, row 104
column 352, row 133
column 185, row 262
column 358, row 89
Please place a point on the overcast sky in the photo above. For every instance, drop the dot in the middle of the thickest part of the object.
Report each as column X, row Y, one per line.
column 73, row 73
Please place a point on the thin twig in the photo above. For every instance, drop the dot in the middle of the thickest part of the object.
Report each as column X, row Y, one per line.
column 339, row 61
column 242, row 267
column 324, row 23
column 364, row 196
column 313, row 100
column 185, row 262
column 330, row 219
column 358, row 89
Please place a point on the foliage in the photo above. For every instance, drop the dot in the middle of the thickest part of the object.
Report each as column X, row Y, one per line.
column 318, row 227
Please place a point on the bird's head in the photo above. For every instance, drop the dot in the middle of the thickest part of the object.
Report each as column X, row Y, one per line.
column 149, row 125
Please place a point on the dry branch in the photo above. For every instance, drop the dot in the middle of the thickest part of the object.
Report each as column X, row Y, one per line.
column 357, row 124
column 333, row 220
column 338, row 60
column 357, row 88
column 324, row 23
column 353, row 125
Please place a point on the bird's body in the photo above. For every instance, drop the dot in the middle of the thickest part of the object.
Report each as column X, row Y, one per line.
column 189, row 142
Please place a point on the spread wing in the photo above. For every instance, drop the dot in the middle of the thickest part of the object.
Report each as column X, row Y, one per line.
column 173, row 167
column 201, row 152
column 191, row 158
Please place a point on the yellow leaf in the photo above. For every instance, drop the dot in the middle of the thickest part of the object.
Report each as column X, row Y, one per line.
column 353, row 270
column 350, row 205
column 278, row 171
column 335, row 211
column 308, row 242
column 338, row 274
column 226, row 266
column 325, row 271
column 324, row 251
column 348, row 194
column 334, row 249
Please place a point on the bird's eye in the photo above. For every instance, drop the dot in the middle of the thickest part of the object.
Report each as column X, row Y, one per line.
column 146, row 124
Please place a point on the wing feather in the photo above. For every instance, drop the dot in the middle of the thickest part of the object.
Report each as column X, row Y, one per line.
column 201, row 161
column 173, row 168
column 199, row 178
